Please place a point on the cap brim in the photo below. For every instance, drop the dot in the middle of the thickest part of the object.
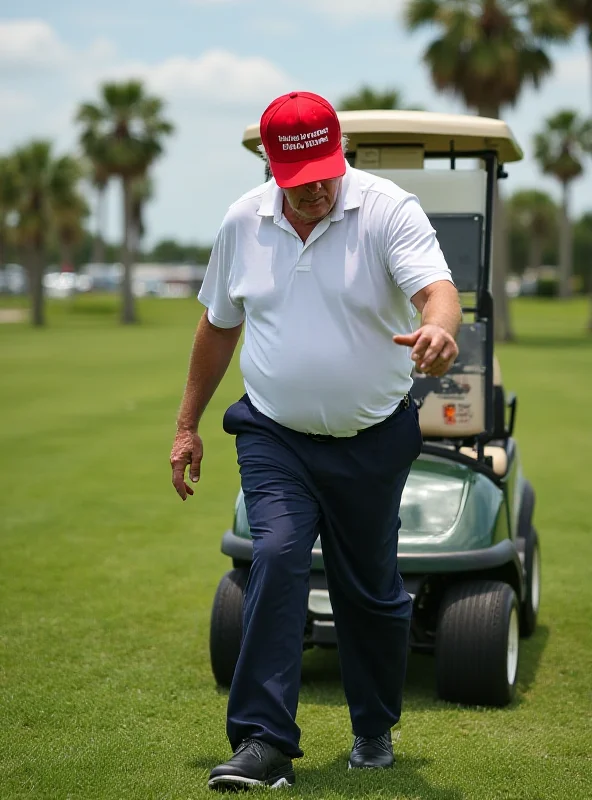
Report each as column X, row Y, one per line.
column 295, row 173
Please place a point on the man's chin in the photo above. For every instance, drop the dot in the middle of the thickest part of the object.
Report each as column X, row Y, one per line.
column 312, row 217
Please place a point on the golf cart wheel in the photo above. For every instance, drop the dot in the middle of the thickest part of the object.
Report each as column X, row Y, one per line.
column 477, row 643
column 532, row 571
column 226, row 625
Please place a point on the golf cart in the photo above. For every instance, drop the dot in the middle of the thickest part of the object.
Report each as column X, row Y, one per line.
column 468, row 550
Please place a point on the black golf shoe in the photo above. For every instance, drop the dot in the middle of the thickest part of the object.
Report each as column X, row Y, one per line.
column 376, row 751
column 254, row 763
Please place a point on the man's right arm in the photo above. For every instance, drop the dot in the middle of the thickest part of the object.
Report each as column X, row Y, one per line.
column 211, row 354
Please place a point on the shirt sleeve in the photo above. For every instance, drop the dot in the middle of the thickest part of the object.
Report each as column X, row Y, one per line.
column 414, row 256
column 215, row 289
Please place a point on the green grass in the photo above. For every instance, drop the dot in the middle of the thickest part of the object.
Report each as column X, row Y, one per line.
column 107, row 580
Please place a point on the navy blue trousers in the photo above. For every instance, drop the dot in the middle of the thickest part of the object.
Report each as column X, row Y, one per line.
column 348, row 490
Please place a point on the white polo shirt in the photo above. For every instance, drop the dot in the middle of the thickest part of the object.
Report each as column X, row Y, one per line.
column 318, row 354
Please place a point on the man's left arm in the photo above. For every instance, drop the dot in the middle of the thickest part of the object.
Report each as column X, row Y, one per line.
column 418, row 267
column 434, row 342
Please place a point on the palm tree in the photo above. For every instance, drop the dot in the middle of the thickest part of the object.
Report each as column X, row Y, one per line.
column 124, row 132
column 560, row 149
column 580, row 13
column 485, row 53
column 44, row 183
column 368, row 99
column 535, row 213
column 142, row 193
column 68, row 213
column 8, row 201
column 100, row 180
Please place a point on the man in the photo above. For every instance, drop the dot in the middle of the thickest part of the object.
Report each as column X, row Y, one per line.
column 323, row 264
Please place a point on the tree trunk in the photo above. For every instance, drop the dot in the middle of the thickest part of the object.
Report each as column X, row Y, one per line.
column 34, row 266
column 3, row 287
column 128, row 311
column 98, row 254
column 565, row 246
column 536, row 246
column 2, row 244
column 502, row 324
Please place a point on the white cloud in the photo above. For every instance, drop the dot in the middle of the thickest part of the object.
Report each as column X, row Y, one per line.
column 217, row 77
column 220, row 77
column 33, row 46
column 339, row 10
column 13, row 102
column 102, row 49
column 30, row 43
column 350, row 9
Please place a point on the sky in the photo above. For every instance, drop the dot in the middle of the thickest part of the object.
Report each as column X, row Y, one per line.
column 218, row 64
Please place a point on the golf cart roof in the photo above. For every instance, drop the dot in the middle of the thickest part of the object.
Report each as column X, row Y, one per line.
column 438, row 133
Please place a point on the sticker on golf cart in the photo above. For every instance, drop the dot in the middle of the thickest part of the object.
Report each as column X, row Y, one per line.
column 450, row 414
column 457, row 414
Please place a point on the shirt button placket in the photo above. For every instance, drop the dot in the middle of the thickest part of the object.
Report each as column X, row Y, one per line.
column 304, row 262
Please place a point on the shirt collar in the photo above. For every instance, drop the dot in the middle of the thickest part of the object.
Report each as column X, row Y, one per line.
column 271, row 201
column 349, row 197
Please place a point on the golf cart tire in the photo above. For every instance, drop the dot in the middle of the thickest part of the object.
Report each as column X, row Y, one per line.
column 226, row 625
column 477, row 643
column 532, row 575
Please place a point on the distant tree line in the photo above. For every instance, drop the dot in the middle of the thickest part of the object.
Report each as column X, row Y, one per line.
column 166, row 251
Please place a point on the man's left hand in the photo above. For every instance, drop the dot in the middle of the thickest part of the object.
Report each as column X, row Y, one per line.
column 434, row 349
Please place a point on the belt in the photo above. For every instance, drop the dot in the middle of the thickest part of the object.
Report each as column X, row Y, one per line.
column 326, row 437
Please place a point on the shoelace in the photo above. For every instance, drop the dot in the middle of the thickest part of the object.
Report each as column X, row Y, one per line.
column 254, row 746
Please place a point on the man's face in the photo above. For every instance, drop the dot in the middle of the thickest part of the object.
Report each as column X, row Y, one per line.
column 311, row 202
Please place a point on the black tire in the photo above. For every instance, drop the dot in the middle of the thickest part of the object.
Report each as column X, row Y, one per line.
column 226, row 625
column 531, row 553
column 477, row 644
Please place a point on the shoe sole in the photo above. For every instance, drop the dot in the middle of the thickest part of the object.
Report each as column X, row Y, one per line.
column 371, row 766
column 234, row 783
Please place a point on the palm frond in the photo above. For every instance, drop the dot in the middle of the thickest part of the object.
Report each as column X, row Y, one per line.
column 486, row 51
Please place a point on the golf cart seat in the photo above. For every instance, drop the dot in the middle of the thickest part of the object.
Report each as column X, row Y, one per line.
column 497, row 455
column 497, row 372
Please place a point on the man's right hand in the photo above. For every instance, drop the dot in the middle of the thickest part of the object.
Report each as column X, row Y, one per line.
column 187, row 451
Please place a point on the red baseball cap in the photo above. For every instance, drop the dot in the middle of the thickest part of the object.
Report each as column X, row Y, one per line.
column 302, row 138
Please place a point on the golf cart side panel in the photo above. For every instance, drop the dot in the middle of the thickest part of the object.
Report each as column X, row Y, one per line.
column 515, row 487
column 448, row 507
column 240, row 526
